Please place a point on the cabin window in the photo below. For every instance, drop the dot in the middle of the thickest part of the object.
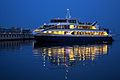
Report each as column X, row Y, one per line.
column 105, row 33
column 79, row 27
column 71, row 26
column 72, row 21
column 92, row 27
column 65, row 32
column 67, row 27
column 78, row 33
column 92, row 33
column 96, row 33
column 58, row 21
column 99, row 33
column 88, row 33
column 82, row 33
column 60, row 32
column 85, row 33
column 49, row 31
column 73, row 33
column 55, row 32
column 59, row 27
column 45, row 31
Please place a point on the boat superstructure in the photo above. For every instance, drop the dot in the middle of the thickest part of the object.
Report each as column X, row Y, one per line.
column 70, row 29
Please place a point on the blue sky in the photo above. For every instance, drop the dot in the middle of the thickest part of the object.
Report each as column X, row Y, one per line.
column 33, row 13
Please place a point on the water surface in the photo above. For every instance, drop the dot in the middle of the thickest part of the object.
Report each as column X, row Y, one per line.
column 22, row 60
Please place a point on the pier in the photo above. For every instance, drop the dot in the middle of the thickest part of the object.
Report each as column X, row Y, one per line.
column 15, row 34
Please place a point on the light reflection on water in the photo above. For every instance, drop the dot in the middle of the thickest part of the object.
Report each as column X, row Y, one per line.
column 64, row 57
column 60, row 55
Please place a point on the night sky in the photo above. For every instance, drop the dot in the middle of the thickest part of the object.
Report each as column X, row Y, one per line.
column 33, row 13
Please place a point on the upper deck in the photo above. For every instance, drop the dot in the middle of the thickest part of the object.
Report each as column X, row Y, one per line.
column 60, row 20
column 68, row 23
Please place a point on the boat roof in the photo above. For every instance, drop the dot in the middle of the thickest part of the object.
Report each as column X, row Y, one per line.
column 64, row 19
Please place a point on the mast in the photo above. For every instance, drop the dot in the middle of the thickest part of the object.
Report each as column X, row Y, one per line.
column 68, row 14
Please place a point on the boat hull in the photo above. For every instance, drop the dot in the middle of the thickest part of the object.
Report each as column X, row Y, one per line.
column 72, row 39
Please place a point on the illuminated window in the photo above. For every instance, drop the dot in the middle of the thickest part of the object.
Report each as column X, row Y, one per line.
column 45, row 32
column 49, row 31
column 55, row 32
column 71, row 26
column 82, row 33
column 105, row 33
column 93, row 27
column 78, row 33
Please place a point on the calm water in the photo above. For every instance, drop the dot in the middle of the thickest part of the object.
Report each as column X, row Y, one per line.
column 24, row 60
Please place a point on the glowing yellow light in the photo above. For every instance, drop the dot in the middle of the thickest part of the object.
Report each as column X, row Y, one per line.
column 105, row 47
column 96, row 33
column 45, row 32
column 93, row 27
column 49, row 31
column 105, row 33
column 60, row 32
column 81, row 52
column 59, row 51
column 49, row 51
column 37, row 30
column 55, row 32
column 71, row 26
column 71, row 56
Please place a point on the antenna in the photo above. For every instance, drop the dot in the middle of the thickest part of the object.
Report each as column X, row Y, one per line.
column 68, row 14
